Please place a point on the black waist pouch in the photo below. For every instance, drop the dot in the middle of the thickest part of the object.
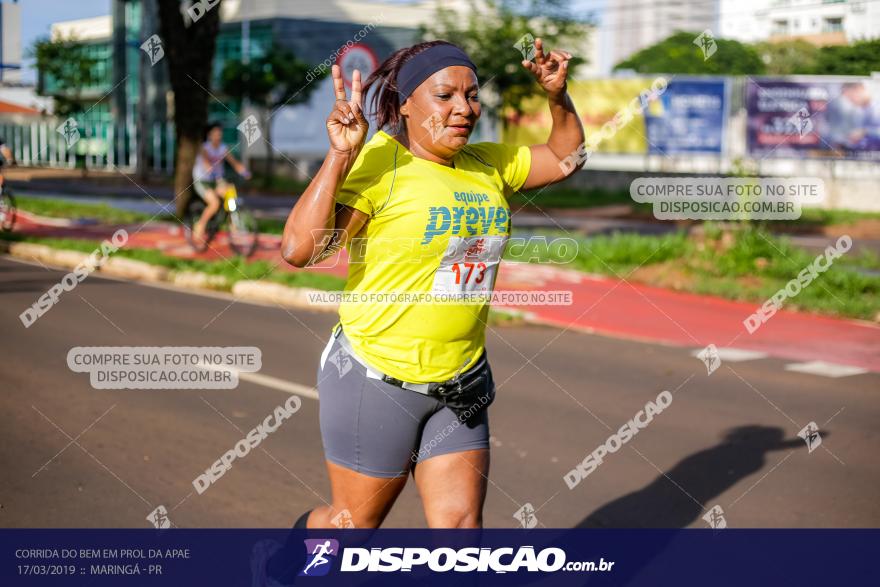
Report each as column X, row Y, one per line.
column 470, row 393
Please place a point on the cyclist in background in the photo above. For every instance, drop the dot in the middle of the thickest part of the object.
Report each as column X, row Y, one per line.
column 208, row 175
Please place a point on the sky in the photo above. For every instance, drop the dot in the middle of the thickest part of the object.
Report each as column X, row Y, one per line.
column 37, row 17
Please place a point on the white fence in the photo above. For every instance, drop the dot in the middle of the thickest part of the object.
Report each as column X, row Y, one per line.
column 94, row 145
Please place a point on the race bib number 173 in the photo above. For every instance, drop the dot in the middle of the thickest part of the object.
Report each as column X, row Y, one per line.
column 469, row 265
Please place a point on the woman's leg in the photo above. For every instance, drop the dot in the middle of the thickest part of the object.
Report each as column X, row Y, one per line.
column 212, row 206
column 453, row 488
column 452, row 471
column 370, row 430
column 367, row 499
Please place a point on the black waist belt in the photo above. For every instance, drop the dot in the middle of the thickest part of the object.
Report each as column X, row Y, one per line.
column 461, row 393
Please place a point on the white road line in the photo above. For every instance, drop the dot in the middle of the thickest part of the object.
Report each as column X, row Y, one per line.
column 733, row 355
column 269, row 381
column 825, row 369
column 259, row 379
column 280, row 384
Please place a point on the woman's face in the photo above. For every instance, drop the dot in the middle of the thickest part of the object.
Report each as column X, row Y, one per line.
column 441, row 113
column 215, row 135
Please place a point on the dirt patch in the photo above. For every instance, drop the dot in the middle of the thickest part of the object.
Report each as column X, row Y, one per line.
column 867, row 228
column 749, row 283
column 607, row 211
column 669, row 274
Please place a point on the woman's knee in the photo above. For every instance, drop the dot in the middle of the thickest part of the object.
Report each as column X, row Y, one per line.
column 345, row 515
column 455, row 516
column 359, row 500
column 359, row 518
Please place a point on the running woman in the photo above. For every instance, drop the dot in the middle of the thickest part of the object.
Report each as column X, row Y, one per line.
column 404, row 388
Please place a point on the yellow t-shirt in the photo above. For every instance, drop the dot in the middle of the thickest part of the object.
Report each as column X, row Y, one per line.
column 432, row 228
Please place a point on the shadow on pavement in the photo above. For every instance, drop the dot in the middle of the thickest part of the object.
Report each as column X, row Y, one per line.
column 680, row 497
column 663, row 503
column 677, row 498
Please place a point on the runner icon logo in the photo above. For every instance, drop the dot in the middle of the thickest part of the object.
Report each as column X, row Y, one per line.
column 526, row 516
column 320, row 554
column 706, row 42
column 801, row 122
column 810, row 434
column 343, row 520
column 710, row 358
column 342, row 361
column 159, row 518
column 715, row 518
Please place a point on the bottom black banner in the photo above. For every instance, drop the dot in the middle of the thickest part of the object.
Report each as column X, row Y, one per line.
column 271, row 558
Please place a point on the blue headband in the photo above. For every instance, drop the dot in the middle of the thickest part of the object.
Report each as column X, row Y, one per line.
column 425, row 64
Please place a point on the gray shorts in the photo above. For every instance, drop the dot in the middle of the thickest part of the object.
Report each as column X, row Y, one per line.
column 201, row 186
column 382, row 430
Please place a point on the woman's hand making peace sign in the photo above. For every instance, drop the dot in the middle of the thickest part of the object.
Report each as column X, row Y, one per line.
column 346, row 126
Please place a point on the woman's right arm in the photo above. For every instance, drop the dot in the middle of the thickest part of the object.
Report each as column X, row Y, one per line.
column 316, row 222
column 202, row 162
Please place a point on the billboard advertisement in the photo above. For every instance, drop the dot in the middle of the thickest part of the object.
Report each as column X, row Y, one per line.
column 689, row 117
column 647, row 117
column 835, row 119
column 597, row 103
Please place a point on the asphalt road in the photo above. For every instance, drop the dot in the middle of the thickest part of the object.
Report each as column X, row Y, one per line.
column 74, row 456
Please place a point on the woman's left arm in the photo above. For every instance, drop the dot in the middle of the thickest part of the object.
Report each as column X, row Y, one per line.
column 237, row 165
column 567, row 133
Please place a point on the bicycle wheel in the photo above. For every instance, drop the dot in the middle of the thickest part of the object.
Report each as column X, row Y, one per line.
column 193, row 213
column 7, row 210
column 242, row 232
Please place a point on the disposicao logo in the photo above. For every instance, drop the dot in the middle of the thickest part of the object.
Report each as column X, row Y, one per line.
column 320, row 554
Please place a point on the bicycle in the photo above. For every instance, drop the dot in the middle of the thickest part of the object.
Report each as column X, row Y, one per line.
column 7, row 209
column 241, row 225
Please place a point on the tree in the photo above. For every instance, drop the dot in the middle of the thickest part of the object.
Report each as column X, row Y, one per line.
column 65, row 67
column 788, row 57
column 489, row 34
column 860, row 58
column 190, row 54
column 275, row 79
column 678, row 54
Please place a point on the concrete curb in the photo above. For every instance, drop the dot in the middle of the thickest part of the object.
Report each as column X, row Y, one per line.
column 136, row 270
column 43, row 254
column 197, row 280
column 253, row 290
column 266, row 292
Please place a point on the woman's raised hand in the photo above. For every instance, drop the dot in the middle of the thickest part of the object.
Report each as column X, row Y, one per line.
column 346, row 126
column 550, row 70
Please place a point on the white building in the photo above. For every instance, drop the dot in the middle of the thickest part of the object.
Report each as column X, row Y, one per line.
column 315, row 31
column 10, row 42
column 821, row 22
column 83, row 29
column 631, row 25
